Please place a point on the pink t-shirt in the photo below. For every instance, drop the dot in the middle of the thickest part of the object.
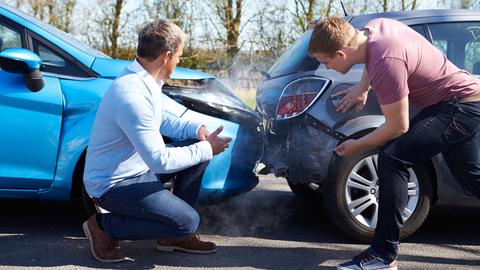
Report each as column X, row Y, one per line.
column 401, row 62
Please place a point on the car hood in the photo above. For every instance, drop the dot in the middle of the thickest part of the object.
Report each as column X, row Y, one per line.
column 110, row 68
column 215, row 99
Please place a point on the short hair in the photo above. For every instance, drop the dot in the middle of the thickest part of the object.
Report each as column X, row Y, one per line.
column 158, row 37
column 329, row 35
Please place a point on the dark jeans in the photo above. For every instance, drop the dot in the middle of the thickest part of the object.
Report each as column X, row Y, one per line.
column 449, row 128
column 141, row 208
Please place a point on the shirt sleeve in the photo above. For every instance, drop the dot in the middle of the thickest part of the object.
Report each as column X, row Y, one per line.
column 179, row 128
column 135, row 116
column 389, row 80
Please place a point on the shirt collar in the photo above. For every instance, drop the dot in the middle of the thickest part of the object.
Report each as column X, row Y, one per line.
column 149, row 81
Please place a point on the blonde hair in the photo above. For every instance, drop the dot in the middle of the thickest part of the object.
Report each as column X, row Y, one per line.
column 329, row 35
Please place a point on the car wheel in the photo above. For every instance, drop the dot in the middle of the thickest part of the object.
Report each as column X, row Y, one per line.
column 88, row 203
column 305, row 191
column 350, row 196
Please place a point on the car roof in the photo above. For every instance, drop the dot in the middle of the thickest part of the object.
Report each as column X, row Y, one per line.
column 419, row 16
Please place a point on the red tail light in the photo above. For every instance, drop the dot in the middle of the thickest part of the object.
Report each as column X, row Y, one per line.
column 298, row 96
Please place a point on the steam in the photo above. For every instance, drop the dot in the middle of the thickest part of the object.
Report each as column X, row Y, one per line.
column 244, row 74
column 250, row 214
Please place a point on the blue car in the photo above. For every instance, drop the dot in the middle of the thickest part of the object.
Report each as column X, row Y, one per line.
column 50, row 89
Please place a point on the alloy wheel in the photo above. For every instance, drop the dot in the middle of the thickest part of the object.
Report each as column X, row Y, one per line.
column 361, row 192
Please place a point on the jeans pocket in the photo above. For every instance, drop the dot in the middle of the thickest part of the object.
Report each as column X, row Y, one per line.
column 462, row 126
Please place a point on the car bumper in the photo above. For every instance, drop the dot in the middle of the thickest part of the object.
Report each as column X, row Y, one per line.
column 298, row 151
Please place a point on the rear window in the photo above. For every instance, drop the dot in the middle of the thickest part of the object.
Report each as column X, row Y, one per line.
column 295, row 59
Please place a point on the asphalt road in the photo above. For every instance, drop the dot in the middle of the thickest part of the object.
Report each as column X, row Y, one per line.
column 267, row 228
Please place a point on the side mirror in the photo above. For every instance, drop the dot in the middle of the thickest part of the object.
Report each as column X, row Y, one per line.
column 25, row 62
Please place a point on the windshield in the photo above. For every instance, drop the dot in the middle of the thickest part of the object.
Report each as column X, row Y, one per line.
column 70, row 39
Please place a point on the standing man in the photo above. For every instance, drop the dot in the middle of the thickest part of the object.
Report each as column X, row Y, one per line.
column 127, row 159
column 403, row 68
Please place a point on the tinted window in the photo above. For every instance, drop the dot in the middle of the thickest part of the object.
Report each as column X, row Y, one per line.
column 460, row 42
column 419, row 29
column 54, row 62
column 295, row 59
column 9, row 37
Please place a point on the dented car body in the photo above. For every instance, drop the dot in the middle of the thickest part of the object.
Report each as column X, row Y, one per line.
column 302, row 127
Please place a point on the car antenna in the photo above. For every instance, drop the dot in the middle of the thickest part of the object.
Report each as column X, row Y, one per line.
column 343, row 7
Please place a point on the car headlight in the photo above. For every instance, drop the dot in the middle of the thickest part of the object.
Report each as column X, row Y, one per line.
column 299, row 95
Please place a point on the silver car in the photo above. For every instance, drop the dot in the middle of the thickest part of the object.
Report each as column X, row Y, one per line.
column 295, row 101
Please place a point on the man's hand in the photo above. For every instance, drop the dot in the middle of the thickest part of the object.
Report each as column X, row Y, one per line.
column 203, row 133
column 355, row 95
column 218, row 143
column 349, row 148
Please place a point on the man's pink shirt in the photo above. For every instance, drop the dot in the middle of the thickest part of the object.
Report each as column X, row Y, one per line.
column 401, row 62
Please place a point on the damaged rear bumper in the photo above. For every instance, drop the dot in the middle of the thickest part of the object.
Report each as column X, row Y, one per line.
column 298, row 150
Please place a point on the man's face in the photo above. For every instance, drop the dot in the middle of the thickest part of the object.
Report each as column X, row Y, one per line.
column 172, row 61
column 337, row 62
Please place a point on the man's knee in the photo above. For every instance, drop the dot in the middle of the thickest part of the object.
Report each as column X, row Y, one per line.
column 188, row 223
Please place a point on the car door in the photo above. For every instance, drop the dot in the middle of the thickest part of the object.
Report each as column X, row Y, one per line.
column 30, row 123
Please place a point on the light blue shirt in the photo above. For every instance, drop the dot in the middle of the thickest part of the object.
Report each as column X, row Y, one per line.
column 126, row 138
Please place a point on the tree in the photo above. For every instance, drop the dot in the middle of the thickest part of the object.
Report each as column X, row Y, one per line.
column 109, row 28
column 58, row 13
column 307, row 10
column 180, row 12
column 405, row 6
column 229, row 13
column 270, row 32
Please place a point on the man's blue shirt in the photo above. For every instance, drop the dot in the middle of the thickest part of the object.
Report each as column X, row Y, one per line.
column 126, row 138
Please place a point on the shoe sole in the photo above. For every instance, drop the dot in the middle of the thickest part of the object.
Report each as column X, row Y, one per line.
column 86, row 231
column 346, row 268
column 174, row 248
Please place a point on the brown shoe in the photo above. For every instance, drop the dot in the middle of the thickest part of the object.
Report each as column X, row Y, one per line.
column 191, row 244
column 103, row 247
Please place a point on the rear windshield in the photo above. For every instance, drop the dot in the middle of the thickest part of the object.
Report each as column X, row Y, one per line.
column 295, row 59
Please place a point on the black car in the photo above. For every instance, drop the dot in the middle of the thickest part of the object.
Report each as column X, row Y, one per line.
column 302, row 127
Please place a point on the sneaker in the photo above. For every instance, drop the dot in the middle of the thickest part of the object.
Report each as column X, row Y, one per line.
column 102, row 246
column 368, row 260
column 191, row 244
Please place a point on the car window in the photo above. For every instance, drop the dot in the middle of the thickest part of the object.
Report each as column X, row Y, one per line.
column 295, row 59
column 419, row 29
column 9, row 37
column 54, row 62
column 460, row 42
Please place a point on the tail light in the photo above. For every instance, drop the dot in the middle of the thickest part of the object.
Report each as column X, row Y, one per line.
column 299, row 95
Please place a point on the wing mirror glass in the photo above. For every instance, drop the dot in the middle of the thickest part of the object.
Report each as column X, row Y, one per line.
column 24, row 62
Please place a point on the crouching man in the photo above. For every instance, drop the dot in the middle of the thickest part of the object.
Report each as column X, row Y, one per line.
column 127, row 159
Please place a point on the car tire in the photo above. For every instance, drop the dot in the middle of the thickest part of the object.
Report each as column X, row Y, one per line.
column 338, row 197
column 88, row 203
column 305, row 191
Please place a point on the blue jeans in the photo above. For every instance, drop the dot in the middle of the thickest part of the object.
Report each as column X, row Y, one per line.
column 449, row 128
column 141, row 208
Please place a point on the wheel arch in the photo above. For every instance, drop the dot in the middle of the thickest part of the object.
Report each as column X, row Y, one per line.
column 77, row 177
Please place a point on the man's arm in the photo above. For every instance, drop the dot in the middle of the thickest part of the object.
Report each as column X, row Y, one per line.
column 179, row 128
column 136, row 118
column 391, row 87
column 396, row 124
column 355, row 95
